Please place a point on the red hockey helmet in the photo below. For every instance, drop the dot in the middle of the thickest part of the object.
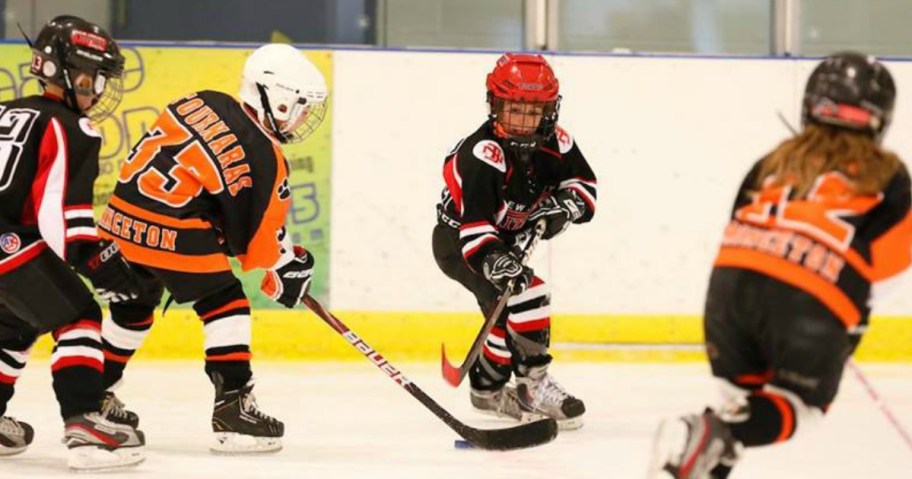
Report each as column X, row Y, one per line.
column 524, row 99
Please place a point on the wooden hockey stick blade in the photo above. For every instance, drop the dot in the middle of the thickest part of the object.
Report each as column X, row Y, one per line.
column 517, row 437
column 451, row 374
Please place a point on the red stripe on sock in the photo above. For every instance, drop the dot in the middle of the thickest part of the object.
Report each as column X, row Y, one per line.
column 80, row 324
column 74, row 361
column 528, row 326
column 497, row 359
column 116, row 358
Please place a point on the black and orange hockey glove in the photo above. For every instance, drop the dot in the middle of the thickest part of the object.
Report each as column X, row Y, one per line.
column 288, row 284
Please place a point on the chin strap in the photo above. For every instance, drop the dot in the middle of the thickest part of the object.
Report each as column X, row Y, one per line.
column 267, row 111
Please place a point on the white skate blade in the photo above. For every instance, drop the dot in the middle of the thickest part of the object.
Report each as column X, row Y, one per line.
column 570, row 424
column 12, row 451
column 526, row 416
column 98, row 459
column 232, row 443
column 667, row 443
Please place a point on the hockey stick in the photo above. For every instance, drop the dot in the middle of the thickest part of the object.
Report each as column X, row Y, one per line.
column 454, row 375
column 517, row 437
column 863, row 379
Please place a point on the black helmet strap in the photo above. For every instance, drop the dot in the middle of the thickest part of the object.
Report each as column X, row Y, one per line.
column 267, row 111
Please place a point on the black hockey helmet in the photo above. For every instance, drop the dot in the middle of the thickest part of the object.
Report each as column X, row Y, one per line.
column 69, row 45
column 850, row 90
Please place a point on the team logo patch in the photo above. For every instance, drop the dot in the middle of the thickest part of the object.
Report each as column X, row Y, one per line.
column 564, row 140
column 86, row 126
column 491, row 153
column 10, row 243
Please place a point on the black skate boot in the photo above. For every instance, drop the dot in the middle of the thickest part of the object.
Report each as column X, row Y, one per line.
column 113, row 410
column 239, row 426
column 699, row 446
column 15, row 436
column 540, row 393
column 97, row 444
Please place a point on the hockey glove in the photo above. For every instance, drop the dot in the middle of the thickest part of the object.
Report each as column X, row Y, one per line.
column 499, row 268
column 563, row 208
column 110, row 274
column 288, row 284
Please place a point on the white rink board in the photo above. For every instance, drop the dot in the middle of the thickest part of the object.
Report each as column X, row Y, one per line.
column 669, row 138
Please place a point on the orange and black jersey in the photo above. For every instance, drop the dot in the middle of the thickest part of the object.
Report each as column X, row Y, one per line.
column 837, row 245
column 48, row 167
column 490, row 192
column 204, row 181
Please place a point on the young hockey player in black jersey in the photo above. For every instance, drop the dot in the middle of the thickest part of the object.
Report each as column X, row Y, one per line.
column 518, row 167
column 48, row 165
column 817, row 226
column 209, row 181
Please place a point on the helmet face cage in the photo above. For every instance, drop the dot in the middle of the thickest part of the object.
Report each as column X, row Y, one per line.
column 526, row 124
column 108, row 99
column 307, row 117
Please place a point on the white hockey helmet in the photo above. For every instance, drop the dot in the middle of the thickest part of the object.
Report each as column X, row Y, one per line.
column 286, row 90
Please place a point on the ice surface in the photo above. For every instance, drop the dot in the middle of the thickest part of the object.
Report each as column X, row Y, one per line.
column 347, row 420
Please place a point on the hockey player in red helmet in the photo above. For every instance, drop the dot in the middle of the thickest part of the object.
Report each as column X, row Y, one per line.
column 517, row 167
column 49, row 156
column 818, row 225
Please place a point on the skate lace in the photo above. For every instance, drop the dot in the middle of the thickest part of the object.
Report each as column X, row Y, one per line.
column 550, row 392
column 11, row 426
column 113, row 407
column 248, row 401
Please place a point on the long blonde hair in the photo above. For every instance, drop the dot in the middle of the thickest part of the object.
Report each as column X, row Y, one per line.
column 818, row 149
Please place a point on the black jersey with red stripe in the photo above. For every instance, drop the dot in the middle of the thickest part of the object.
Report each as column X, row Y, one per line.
column 204, row 181
column 841, row 247
column 491, row 191
column 48, row 167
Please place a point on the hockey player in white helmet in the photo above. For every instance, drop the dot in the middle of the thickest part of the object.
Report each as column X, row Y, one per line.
column 208, row 182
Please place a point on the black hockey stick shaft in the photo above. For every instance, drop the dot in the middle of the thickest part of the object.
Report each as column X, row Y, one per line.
column 517, row 437
column 453, row 375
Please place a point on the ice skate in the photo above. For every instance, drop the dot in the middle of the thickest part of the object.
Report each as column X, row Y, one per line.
column 539, row 392
column 501, row 402
column 15, row 436
column 239, row 425
column 113, row 410
column 96, row 444
column 693, row 447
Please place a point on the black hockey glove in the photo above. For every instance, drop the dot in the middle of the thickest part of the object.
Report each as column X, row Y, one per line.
column 500, row 267
column 288, row 284
column 563, row 208
column 110, row 274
